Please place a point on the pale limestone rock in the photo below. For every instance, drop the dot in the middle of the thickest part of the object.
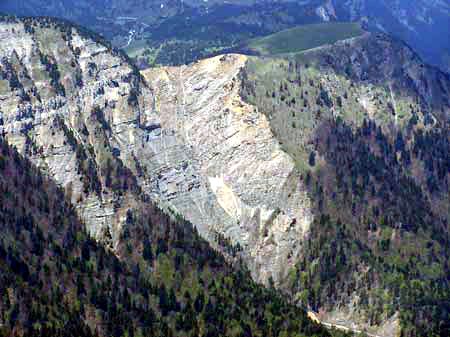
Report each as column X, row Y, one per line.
column 35, row 121
column 203, row 151
column 199, row 148
column 244, row 184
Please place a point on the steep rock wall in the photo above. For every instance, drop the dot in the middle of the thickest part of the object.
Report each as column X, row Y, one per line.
column 67, row 102
column 184, row 137
column 246, row 187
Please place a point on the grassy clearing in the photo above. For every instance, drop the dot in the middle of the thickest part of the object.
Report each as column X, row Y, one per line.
column 304, row 37
column 136, row 48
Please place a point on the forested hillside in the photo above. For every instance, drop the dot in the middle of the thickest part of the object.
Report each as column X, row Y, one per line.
column 369, row 129
column 164, row 281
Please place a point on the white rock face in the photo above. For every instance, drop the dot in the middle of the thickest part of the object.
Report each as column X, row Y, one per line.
column 186, row 135
column 245, row 184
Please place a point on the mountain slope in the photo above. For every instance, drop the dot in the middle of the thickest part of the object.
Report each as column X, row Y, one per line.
column 368, row 125
column 422, row 24
column 164, row 280
column 312, row 102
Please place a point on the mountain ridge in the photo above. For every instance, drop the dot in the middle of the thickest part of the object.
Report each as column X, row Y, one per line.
column 150, row 31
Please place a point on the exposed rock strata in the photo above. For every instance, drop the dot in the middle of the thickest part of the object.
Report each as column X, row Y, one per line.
column 192, row 143
column 246, row 186
column 58, row 90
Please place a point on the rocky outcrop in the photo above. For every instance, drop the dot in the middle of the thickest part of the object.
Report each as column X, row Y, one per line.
column 70, row 104
column 81, row 112
column 244, row 185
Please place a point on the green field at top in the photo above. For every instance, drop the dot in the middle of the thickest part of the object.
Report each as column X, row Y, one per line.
column 304, row 37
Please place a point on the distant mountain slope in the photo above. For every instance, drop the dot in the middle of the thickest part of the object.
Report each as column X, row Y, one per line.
column 423, row 24
column 170, row 31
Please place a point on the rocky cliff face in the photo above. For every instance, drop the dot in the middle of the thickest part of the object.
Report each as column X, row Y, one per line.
column 71, row 105
column 87, row 118
column 245, row 186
